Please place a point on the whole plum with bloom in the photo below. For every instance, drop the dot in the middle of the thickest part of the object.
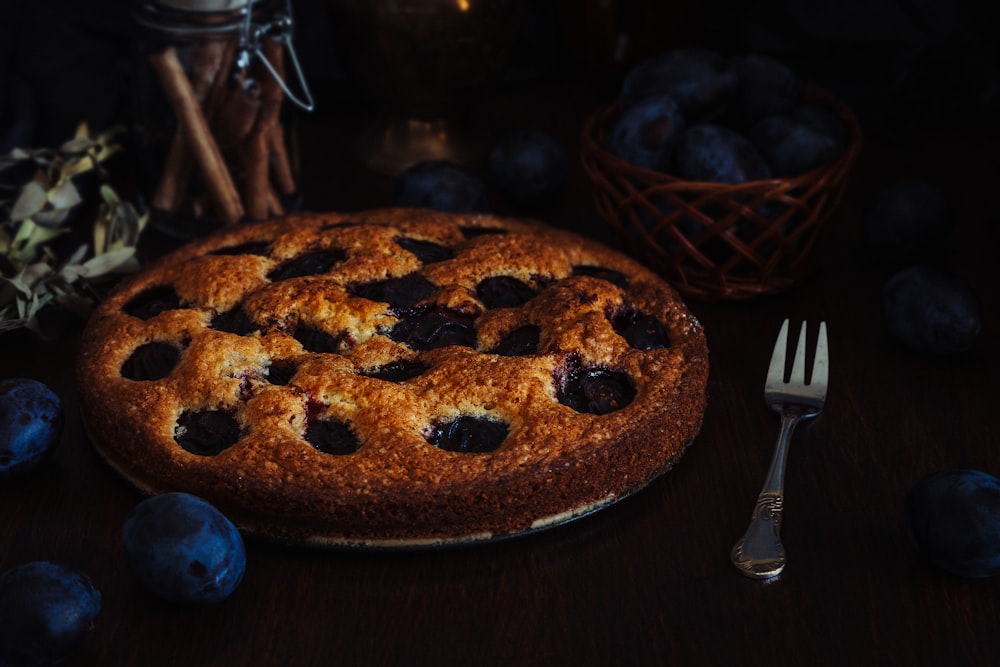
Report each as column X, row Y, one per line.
column 181, row 548
column 529, row 164
column 905, row 220
column 441, row 185
column 46, row 612
column 797, row 141
column 645, row 133
column 930, row 310
column 953, row 520
column 31, row 422
column 718, row 154
column 701, row 81
column 766, row 86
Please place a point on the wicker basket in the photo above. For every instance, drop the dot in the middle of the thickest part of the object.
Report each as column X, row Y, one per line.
column 717, row 241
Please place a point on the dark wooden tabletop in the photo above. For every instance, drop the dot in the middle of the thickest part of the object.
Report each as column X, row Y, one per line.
column 648, row 580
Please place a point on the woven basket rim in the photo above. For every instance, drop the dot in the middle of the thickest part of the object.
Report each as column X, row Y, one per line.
column 610, row 175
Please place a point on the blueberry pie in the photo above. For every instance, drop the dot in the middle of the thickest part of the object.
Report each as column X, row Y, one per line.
column 394, row 378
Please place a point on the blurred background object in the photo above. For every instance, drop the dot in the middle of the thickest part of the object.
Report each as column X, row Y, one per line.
column 423, row 64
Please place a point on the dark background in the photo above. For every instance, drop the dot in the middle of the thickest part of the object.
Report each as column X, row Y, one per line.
column 904, row 65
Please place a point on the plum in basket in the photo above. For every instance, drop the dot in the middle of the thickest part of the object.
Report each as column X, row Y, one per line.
column 645, row 134
column 701, row 81
column 718, row 154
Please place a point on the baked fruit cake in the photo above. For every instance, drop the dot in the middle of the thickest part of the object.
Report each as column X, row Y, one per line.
column 394, row 378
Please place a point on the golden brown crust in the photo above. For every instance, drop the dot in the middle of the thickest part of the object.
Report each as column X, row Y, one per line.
column 397, row 488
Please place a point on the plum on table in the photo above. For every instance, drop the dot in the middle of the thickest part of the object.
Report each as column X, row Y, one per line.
column 441, row 185
column 529, row 164
column 31, row 423
column 47, row 611
column 953, row 520
column 930, row 310
column 182, row 549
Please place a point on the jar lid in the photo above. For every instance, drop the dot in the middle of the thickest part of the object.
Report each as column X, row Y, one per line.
column 205, row 5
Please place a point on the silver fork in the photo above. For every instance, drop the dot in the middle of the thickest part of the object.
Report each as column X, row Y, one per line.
column 759, row 554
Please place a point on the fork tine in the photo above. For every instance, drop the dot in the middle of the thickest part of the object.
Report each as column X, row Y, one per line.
column 776, row 371
column 799, row 362
column 821, row 366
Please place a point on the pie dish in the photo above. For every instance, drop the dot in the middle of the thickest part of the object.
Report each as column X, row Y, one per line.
column 394, row 378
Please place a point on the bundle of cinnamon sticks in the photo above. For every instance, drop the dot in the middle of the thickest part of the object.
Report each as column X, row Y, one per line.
column 229, row 133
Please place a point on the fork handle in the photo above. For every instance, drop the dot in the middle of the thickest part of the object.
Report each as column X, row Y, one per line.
column 759, row 554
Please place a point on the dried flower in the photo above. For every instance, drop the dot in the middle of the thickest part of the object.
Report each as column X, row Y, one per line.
column 32, row 277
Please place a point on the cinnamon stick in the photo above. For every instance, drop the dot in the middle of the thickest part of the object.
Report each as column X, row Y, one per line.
column 257, row 151
column 237, row 113
column 197, row 135
column 209, row 63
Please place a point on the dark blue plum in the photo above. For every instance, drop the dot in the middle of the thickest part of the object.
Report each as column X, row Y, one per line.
column 441, row 185
column 766, row 86
column 953, row 520
column 718, row 154
column 701, row 81
column 906, row 220
column 31, row 422
column 529, row 164
column 799, row 140
column 46, row 612
column 645, row 134
column 932, row 311
column 182, row 549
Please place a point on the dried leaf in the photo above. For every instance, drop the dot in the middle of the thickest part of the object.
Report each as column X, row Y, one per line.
column 64, row 195
column 106, row 263
column 51, row 218
column 32, row 199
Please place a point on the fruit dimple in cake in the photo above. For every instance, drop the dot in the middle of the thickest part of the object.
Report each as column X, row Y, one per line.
column 394, row 378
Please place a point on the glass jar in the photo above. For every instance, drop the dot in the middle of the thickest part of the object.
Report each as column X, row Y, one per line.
column 213, row 112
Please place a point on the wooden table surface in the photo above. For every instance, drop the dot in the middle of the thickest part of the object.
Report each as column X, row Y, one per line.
column 646, row 581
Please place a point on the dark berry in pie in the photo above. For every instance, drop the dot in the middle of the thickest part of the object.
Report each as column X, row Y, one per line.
column 147, row 305
column 504, row 292
column 261, row 248
column 308, row 264
column 315, row 340
column 331, row 436
column 400, row 293
column 610, row 275
column 596, row 390
column 431, row 329
column 152, row 361
column 206, row 432
column 427, row 252
column 398, row 371
column 234, row 321
column 643, row 332
column 519, row 342
column 470, row 434
column 280, row 372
